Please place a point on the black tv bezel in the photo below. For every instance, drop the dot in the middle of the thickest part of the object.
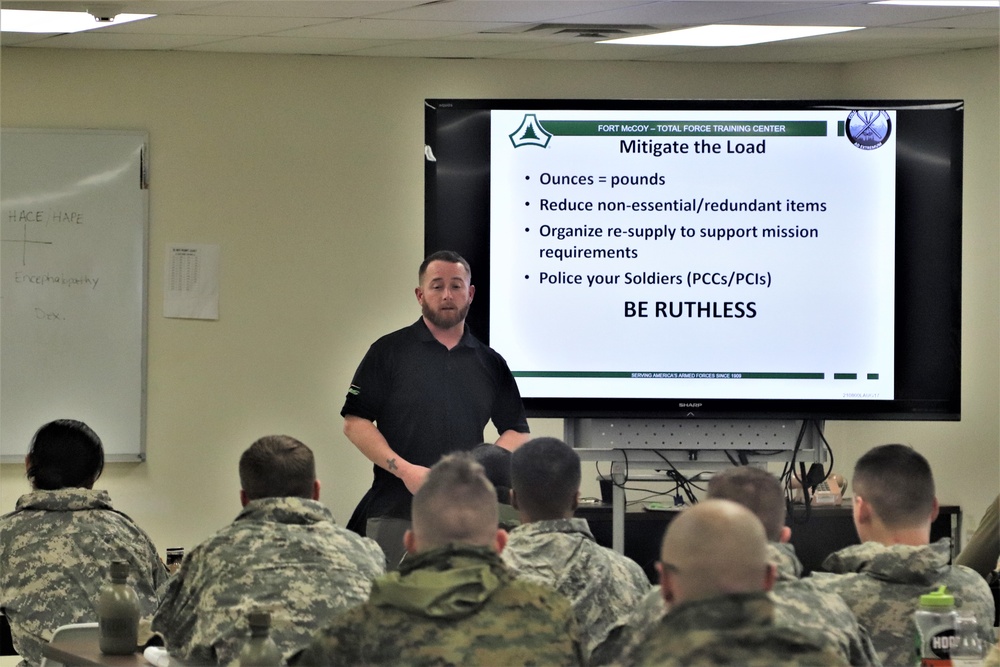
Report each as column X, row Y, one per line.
column 929, row 135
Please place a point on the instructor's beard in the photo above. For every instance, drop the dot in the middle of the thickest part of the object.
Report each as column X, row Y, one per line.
column 445, row 319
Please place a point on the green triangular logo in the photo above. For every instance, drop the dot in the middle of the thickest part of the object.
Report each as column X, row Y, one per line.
column 530, row 133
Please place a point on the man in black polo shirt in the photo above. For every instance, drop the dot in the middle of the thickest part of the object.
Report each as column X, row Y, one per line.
column 422, row 392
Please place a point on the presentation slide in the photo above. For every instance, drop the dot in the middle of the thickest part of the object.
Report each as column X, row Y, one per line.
column 712, row 254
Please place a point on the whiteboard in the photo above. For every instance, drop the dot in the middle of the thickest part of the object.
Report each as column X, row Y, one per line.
column 73, row 250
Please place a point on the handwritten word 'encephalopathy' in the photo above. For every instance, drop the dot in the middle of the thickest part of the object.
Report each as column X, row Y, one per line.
column 55, row 279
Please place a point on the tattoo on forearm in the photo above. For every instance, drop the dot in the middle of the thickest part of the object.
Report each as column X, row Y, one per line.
column 391, row 463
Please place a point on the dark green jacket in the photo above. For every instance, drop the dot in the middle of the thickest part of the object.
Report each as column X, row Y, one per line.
column 458, row 605
column 736, row 629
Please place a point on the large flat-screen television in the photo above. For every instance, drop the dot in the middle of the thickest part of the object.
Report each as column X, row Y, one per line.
column 707, row 258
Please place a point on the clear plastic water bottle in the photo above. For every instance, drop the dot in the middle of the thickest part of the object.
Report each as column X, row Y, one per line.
column 118, row 613
column 968, row 650
column 935, row 620
column 260, row 650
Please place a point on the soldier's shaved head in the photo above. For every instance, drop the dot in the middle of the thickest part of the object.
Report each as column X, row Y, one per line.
column 714, row 548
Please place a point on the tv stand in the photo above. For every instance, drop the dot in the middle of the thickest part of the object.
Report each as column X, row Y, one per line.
column 828, row 529
column 635, row 447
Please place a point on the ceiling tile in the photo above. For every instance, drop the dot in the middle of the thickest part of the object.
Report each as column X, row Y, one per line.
column 392, row 29
column 521, row 11
column 286, row 45
column 511, row 28
column 119, row 41
column 308, row 8
column 210, row 25
column 440, row 49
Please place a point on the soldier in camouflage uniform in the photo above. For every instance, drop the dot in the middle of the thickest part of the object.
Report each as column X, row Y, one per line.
column 714, row 575
column 630, row 629
column 982, row 551
column 453, row 602
column 283, row 553
column 553, row 548
column 883, row 578
column 496, row 464
column 797, row 602
column 56, row 547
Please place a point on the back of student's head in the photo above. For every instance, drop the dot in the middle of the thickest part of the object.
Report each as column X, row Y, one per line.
column 496, row 465
column 716, row 547
column 455, row 505
column 757, row 490
column 898, row 484
column 277, row 466
column 65, row 453
column 545, row 476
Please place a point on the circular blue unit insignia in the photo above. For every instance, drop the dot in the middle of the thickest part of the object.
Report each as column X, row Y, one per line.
column 868, row 129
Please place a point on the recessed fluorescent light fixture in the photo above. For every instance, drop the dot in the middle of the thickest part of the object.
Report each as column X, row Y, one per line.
column 729, row 35
column 940, row 3
column 29, row 20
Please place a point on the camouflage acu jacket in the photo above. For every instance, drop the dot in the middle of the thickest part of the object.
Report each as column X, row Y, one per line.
column 736, row 629
column 882, row 585
column 56, row 548
column 797, row 603
column 602, row 585
column 458, row 605
column 285, row 555
column 800, row 603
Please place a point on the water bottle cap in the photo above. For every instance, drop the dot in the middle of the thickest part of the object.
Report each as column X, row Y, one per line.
column 119, row 570
column 939, row 598
column 259, row 619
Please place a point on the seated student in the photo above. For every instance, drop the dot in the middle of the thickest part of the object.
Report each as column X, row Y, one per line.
column 982, row 553
column 496, row 464
column 798, row 602
column 57, row 546
column 453, row 602
column 553, row 548
column 283, row 553
column 883, row 578
column 714, row 575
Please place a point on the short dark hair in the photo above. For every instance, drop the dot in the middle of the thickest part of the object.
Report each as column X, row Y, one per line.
column 757, row 490
column 456, row 504
column 65, row 453
column 545, row 476
column 897, row 482
column 277, row 466
column 496, row 464
column 449, row 256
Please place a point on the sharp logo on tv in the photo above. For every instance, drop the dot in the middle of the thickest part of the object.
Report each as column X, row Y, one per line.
column 530, row 133
column 868, row 130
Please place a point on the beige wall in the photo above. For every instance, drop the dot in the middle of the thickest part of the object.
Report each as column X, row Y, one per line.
column 307, row 171
column 965, row 456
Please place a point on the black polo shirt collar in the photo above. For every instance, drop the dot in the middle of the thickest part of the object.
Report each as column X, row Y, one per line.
column 424, row 335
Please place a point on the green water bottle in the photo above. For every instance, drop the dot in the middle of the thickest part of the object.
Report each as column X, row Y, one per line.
column 118, row 613
column 260, row 650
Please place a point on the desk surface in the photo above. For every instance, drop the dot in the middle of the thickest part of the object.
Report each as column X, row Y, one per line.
column 86, row 651
column 816, row 535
